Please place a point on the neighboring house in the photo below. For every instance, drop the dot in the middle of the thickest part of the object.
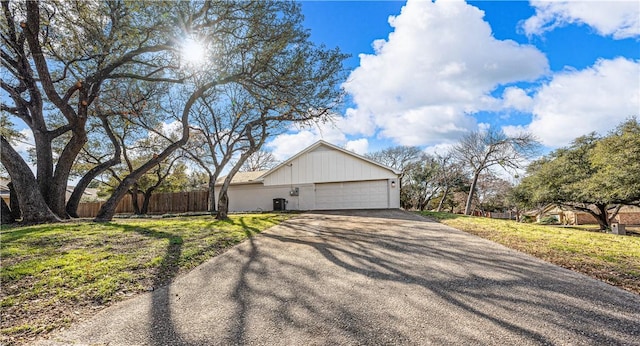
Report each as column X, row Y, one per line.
column 628, row 215
column 89, row 194
column 321, row 177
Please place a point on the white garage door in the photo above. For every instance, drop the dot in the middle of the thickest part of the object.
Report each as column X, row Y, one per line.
column 352, row 195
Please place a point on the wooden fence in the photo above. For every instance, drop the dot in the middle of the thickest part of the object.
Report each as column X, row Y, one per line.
column 160, row 203
column 508, row 215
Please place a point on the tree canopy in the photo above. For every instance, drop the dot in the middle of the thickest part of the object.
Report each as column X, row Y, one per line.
column 69, row 62
column 595, row 174
column 482, row 150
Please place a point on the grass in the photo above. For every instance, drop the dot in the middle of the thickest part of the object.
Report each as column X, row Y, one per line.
column 54, row 274
column 607, row 257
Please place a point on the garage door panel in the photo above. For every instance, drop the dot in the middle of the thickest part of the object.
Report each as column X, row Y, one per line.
column 352, row 195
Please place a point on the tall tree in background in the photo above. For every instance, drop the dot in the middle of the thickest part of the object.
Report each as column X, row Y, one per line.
column 259, row 161
column 398, row 157
column 422, row 182
column 219, row 125
column 493, row 193
column 255, row 138
column 482, row 150
column 403, row 159
column 451, row 176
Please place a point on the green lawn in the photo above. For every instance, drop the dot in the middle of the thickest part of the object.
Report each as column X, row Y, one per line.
column 53, row 274
column 610, row 258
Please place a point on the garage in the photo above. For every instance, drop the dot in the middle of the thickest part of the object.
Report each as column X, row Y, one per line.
column 353, row 195
column 321, row 177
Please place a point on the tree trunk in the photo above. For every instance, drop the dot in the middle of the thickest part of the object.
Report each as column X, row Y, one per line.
column 212, row 194
column 32, row 204
column 54, row 188
column 613, row 215
column 145, row 201
column 224, row 198
column 223, row 206
column 74, row 200
column 134, row 200
column 108, row 209
column 444, row 196
column 14, row 203
column 472, row 190
column 6, row 216
column 78, row 191
column 58, row 186
column 44, row 163
column 602, row 217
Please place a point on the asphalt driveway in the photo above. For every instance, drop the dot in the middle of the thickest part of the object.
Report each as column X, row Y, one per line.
column 369, row 278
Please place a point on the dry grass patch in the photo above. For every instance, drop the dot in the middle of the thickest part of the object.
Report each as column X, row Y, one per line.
column 53, row 274
column 611, row 258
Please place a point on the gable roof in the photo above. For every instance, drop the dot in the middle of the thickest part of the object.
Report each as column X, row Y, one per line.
column 242, row 178
column 331, row 146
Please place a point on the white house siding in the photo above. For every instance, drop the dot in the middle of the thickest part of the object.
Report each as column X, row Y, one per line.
column 326, row 165
column 379, row 194
column 257, row 197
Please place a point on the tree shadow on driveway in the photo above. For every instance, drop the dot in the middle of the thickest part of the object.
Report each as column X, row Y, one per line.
column 339, row 279
column 487, row 288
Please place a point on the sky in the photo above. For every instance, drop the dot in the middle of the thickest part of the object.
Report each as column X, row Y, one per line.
column 425, row 73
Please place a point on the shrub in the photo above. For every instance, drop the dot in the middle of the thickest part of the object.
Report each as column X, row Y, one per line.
column 549, row 220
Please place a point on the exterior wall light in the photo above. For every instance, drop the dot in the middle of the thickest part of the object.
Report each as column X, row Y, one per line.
column 393, row 183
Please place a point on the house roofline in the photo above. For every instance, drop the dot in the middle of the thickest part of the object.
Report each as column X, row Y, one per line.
column 332, row 146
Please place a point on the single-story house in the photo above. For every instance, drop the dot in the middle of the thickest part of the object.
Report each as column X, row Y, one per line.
column 628, row 215
column 88, row 194
column 320, row 177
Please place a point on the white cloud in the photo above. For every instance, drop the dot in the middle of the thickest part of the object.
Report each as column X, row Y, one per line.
column 516, row 98
column 286, row 145
column 437, row 68
column 439, row 149
column 356, row 122
column 172, row 128
column 514, row 130
column 575, row 103
column 358, row 146
column 619, row 19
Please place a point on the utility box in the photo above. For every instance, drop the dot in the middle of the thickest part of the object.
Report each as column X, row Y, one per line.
column 617, row 228
column 279, row 204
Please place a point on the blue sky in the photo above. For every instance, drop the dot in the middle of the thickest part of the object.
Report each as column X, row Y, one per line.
column 425, row 73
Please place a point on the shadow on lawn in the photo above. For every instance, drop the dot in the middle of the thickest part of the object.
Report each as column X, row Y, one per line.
column 162, row 328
